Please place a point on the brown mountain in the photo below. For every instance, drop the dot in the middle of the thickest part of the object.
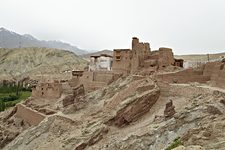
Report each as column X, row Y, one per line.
column 38, row 61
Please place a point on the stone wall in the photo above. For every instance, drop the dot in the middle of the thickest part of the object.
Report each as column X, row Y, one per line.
column 28, row 115
column 185, row 76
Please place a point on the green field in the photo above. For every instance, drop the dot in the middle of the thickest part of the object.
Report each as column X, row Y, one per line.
column 9, row 97
column 22, row 96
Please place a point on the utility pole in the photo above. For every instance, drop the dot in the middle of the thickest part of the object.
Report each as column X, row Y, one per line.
column 208, row 57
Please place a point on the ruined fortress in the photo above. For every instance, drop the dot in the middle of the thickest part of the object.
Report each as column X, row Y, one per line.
column 140, row 56
column 116, row 91
column 104, row 69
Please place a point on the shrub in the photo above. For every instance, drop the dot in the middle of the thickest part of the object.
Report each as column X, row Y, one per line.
column 10, row 98
column 177, row 142
column 10, row 104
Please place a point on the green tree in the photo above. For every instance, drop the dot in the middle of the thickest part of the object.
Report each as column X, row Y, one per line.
column 2, row 105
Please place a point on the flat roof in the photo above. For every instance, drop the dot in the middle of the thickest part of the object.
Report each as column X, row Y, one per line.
column 122, row 49
column 105, row 55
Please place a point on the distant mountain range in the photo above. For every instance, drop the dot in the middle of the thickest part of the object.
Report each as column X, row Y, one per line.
column 9, row 39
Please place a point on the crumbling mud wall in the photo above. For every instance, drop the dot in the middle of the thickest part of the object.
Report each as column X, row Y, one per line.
column 166, row 57
column 216, row 71
column 93, row 80
column 29, row 115
column 122, row 60
column 140, row 56
column 47, row 90
column 212, row 71
column 185, row 76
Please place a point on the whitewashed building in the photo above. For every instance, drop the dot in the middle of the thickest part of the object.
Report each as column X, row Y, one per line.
column 101, row 62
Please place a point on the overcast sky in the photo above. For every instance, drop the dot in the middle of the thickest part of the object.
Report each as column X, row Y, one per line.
column 186, row 26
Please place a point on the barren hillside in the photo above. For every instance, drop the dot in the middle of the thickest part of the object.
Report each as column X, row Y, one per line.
column 38, row 61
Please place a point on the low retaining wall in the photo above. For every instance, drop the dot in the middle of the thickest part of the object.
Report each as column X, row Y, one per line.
column 184, row 76
column 28, row 115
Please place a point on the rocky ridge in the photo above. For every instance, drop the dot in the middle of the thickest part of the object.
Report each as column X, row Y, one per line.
column 132, row 113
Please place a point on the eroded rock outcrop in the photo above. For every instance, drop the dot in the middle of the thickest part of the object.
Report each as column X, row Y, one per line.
column 78, row 92
column 142, row 96
column 169, row 110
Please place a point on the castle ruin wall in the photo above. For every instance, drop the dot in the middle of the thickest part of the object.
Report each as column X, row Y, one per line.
column 29, row 115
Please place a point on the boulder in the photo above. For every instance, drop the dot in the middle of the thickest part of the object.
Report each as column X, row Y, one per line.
column 169, row 110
